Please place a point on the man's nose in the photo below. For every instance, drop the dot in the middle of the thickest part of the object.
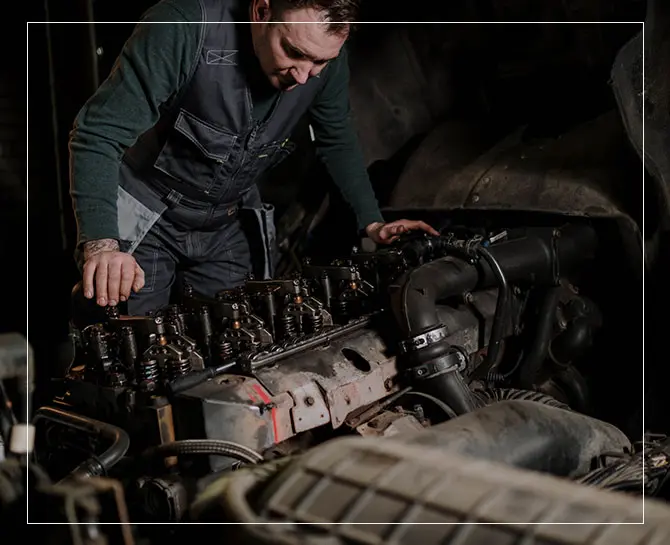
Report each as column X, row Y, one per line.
column 301, row 73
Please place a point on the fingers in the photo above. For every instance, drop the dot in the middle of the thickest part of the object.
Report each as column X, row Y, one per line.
column 101, row 282
column 114, row 279
column 88, row 277
column 425, row 227
column 138, row 283
column 127, row 279
column 403, row 226
column 110, row 277
column 391, row 231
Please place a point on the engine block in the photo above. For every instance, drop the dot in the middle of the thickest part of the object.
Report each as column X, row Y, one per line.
column 262, row 363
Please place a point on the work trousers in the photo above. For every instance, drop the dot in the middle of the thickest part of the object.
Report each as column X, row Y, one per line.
column 213, row 247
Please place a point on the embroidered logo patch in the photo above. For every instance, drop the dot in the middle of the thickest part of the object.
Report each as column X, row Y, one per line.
column 222, row 57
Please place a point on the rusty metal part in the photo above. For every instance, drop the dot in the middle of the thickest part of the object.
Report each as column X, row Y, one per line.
column 310, row 409
column 350, row 373
column 233, row 408
column 359, row 418
column 388, row 424
column 165, row 428
column 356, row 371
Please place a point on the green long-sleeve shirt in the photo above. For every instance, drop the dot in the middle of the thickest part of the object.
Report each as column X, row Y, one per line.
column 154, row 63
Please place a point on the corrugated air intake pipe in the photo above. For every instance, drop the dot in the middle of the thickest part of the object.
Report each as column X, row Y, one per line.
column 542, row 256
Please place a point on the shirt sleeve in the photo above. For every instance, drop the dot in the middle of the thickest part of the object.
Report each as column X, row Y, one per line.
column 154, row 63
column 337, row 143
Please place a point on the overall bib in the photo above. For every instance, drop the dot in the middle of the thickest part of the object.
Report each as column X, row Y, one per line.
column 188, row 181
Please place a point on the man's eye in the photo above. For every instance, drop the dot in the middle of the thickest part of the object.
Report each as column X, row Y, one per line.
column 295, row 54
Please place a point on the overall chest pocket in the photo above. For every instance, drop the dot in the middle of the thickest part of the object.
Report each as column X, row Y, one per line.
column 256, row 162
column 196, row 153
column 270, row 155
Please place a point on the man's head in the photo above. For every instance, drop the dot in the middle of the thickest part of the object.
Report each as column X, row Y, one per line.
column 295, row 39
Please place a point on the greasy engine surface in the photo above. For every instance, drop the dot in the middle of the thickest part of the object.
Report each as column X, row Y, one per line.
column 427, row 332
column 477, row 342
column 264, row 363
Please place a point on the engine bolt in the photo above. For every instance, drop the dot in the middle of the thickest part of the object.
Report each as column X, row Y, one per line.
column 309, row 401
column 388, row 384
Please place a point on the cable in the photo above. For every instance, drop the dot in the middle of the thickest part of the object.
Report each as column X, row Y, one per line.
column 441, row 404
column 215, row 447
column 633, row 472
column 500, row 313
column 502, row 377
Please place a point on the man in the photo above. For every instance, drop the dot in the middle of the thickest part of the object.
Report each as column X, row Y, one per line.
column 166, row 154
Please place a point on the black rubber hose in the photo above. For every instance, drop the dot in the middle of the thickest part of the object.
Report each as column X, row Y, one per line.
column 97, row 465
column 500, row 315
column 540, row 348
column 576, row 390
column 211, row 447
column 528, row 435
column 537, row 258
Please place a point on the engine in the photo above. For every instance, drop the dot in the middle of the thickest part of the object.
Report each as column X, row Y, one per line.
column 415, row 335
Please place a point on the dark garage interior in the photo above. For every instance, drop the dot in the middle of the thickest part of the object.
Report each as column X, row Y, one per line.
column 527, row 339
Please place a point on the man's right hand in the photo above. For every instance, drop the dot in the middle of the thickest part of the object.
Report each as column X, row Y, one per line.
column 110, row 274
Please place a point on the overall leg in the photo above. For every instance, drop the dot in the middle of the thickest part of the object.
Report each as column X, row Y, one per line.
column 219, row 260
column 158, row 261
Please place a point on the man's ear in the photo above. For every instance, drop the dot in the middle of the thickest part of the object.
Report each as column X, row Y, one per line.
column 261, row 10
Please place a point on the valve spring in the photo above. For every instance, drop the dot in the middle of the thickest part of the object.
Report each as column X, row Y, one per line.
column 225, row 350
column 149, row 370
column 289, row 325
column 177, row 368
column 315, row 322
column 344, row 307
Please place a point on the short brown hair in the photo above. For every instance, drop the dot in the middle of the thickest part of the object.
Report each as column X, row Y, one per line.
column 342, row 15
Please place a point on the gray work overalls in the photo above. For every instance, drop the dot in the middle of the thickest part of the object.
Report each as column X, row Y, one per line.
column 187, row 181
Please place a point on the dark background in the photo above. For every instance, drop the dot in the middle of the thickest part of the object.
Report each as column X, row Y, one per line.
column 405, row 79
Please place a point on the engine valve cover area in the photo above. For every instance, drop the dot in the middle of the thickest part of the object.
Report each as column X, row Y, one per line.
column 320, row 387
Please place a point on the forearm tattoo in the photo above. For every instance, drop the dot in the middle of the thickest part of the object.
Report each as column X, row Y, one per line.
column 96, row 246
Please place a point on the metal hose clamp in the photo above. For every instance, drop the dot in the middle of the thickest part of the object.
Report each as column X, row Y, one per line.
column 423, row 340
column 454, row 361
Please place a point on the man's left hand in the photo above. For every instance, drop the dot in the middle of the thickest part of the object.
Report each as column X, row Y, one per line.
column 386, row 233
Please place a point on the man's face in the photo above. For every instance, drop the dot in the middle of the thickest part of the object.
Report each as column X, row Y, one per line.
column 296, row 48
